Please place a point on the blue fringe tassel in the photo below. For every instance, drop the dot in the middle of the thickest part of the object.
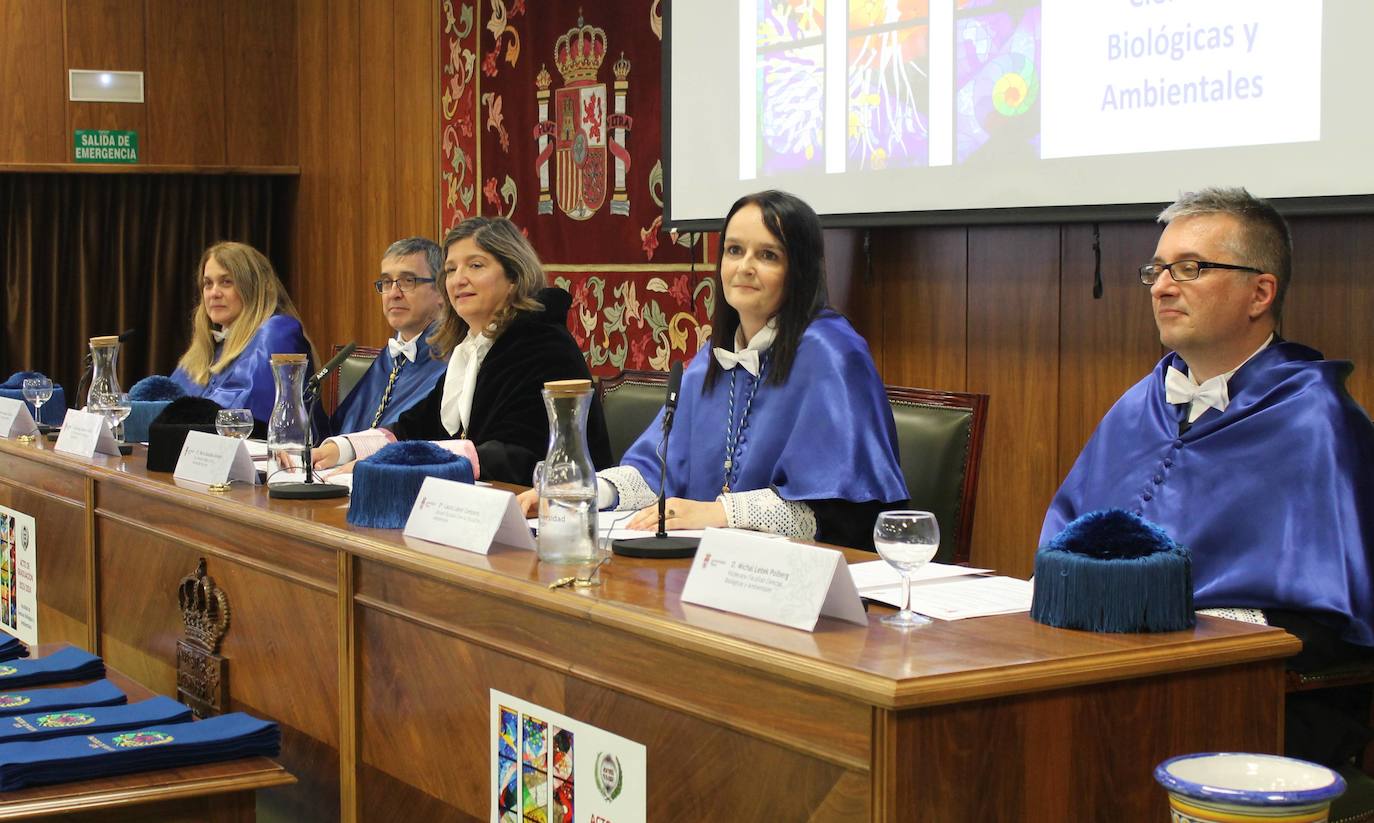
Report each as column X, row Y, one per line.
column 155, row 387
column 386, row 484
column 1112, row 571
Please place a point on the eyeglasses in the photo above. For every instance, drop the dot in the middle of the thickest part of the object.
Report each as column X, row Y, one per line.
column 1185, row 270
column 405, row 284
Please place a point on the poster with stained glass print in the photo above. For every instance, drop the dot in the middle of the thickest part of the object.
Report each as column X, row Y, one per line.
column 547, row 766
column 18, row 575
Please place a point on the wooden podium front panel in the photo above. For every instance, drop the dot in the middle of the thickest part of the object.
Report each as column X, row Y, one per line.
column 721, row 743
column 282, row 642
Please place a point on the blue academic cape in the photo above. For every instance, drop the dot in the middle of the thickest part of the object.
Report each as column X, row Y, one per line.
column 248, row 382
column 825, row 434
column 1274, row 496
column 355, row 412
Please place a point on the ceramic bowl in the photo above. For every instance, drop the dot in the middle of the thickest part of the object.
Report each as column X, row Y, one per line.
column 1222, row 787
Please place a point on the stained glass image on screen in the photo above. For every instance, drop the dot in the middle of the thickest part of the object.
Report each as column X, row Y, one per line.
column 508, row 767
column 562, row 811
column 534, row 798
column 997, row 48
column 888, row 85
column 790, row 80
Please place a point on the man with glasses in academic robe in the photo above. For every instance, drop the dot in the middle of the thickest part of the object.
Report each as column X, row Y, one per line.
column 405, row 371
column 1248, row 450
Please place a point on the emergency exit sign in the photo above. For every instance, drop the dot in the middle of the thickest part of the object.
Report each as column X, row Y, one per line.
column 100, row 146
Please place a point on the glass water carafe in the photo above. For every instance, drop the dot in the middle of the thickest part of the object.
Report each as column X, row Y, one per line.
column 286, row 428
column 567, row 485
column 105, row 380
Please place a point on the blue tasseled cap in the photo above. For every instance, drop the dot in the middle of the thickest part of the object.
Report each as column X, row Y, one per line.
column 156, row 387
column 1113, row 571
column 386, row 484
column 17, row 379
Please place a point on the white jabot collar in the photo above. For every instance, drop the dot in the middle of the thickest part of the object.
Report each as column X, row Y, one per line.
column 748, row 355
column 460, row 382
column 1212, row 393
column 219, row 334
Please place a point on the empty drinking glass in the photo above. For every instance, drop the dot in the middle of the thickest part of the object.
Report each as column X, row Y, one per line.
column 37, row 390
column 234, row 423
column 907, row 540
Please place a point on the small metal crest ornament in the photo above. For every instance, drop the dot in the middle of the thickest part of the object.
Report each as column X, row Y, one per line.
column 202, row 675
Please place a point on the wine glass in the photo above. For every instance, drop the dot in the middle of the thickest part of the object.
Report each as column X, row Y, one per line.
column 907, row 540
column 116, row 407
column 236, row 423
column 37, row 390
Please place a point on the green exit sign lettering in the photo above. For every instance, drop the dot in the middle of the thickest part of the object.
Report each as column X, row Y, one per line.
column 100, row 146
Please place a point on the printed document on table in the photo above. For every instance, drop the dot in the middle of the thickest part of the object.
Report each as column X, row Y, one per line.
column 879, row 574
column 963, row 597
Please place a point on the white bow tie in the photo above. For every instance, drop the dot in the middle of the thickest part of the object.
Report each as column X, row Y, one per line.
column 1180, row 388
column 397, row 348
column 749, row 359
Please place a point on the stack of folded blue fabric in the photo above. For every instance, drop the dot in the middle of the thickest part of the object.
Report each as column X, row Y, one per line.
column 155, row 746
column 70, row 663
column 12, row 647
column 99, row 693
column 92, row 720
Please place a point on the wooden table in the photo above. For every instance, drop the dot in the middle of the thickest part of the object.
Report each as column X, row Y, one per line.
column 217, row 792
column 377, row 653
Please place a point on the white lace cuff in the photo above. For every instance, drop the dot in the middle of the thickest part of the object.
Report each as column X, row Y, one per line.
column 369, row 442
column 1243, row 615
column 628, row 485
column 763, row 510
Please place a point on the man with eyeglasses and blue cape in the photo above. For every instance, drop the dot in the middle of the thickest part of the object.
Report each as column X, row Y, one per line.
column 405, row 372
column 1248, row 450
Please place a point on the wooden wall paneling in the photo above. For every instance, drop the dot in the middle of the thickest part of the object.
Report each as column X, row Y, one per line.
column 416, row 65
column 1106, row 344
column 379, row 194
column 923, row 274
column 1013, row 356
column 260, row 68
column 313, row 226
column 32, row 105
column 1330, row 302
column 184, row 83
column 107, row 34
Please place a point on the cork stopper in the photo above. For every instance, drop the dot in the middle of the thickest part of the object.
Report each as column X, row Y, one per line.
column 280, row 359
column 112, row 340
column 567, row 387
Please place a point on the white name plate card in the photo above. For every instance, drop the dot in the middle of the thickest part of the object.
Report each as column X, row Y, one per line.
column 15, row 420
column 214, row 460
column 769, row 579
column 84, row 434
column 467, row 517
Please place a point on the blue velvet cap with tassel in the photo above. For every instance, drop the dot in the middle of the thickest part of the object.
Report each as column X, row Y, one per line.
column 386, row 484
column 147, row 398
column 156, row 387
column 1113, row 571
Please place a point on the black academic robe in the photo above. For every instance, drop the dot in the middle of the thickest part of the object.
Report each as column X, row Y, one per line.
column 508, row 424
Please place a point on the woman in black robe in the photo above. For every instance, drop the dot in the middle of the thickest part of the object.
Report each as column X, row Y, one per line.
column 505, row 334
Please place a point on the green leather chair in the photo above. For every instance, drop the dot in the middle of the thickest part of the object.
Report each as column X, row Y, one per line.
column 630, row 400
column 342, row 380
column 939, row 444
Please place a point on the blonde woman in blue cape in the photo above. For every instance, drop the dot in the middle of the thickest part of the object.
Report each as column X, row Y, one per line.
column 243, row 318
column 782, row 424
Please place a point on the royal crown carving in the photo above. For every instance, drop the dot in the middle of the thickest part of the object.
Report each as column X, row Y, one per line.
column 621, row 68
column 204, row 608
column 579, row 52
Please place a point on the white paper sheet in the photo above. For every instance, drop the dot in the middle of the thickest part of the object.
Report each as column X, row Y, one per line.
column 962, row 597
column 879, row 574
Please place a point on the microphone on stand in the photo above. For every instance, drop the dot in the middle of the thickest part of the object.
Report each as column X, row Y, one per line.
column 661, row 545
column 312, row 489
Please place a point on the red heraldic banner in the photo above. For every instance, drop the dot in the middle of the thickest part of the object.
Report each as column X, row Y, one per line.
column 553, row 120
